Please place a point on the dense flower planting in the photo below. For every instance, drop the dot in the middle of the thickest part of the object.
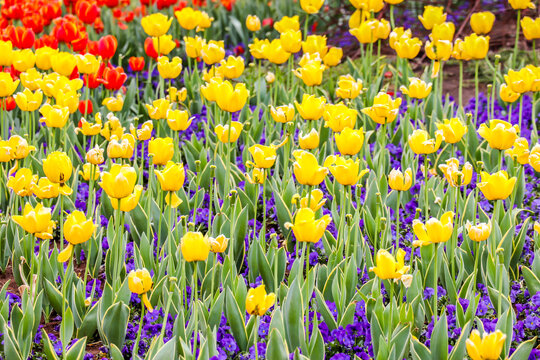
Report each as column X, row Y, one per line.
column 224, row 180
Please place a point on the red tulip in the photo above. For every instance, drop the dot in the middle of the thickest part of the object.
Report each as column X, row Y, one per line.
column 107, row 46
column 34, row 22
column 8, row 103
column 87, row 11
column 268, row 22
column 149, row 48
column 113, row 78
column 46, row 40
column 80, row 43
column 51, row 11
column 65, row 30
column 21, row 38
column 92, row 81
column 86, row 107
column 136, row 63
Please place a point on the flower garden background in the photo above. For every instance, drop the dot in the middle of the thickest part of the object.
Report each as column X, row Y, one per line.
column 235, row 179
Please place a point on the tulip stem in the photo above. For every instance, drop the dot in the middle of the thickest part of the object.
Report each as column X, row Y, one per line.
column 263, row 231
column 256, row 337
column 435, row 282
column 306, row 27
column 510, row 113
column 426, row 205
column 500, row 159
column 136, row 346
column 460, row 89
column 520, row 110
column 514, row 192
column 476, row 69
column 500, row 284
column 392, row 16
column 398, row 219
column 195, row 309
column 534, row 52
column 390, row 304
column 228, row 165
column 517, row 38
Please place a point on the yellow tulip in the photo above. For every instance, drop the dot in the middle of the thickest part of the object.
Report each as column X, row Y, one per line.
column 366, row 33
column 206, row 21
column 345, row 171
column 400, row 181
column 45, row 189
column 95, row 156
column 458, row 51
column 275, row 52
column 311, row 74
column 193, row 46
column 163, row 44
column 114, row 104
column 212, row 52
column 54, row 116
column 5, row 151
column 36, row 221
column 7, row 85
column 368, row 5
column 161, row 150
column 476, row 47
column 507, row 95
column 311, row 6
column 496, row 186
column 521, row 4
column 23, row 182
column 58, row 169
column 63, row 63
column 87, row 172
column 171, row 179
column 19, row 147
column 6, row 53
column 258, row 176
column 69, row 100
column 23, row 60
column 77, row 230
column 520, row 81
column 121, row 147
column 350, row 141
column 128, row 203
column 333, row 56
column 454, row 175
column 306, row 228
column 282, row 114
column 140, row 283
column 144, row 133
column 232, row 99
column 478, row 232
column 31, row 79
column 339, row 116
column 258, row 48
column 433, row 15
column 384, row 110
column 194, row 246
column 520, row 151
column 258, row 302
column 90, row 129
column 112, row 127
column 309, row 141
column 407, row 48
column 253, row 23
column 226, row 136
column 210, row 90
column 287, row 23
column 29, row 101
column 219, row 244
column 233, row 67
column 306, row 168
column 398, row 33
column 418, row 89
column 158, row 109
column 421, row 143
column 263, row 156
column 169, row 69
column 482, row 22
column 307, row 58
column 537, row 227
column 316, row 202
column 176, row 95
column 87, row 63
column 44, row 57
column 500, row 134
column 315, row 44
column 534, row 158
column 490, row 345
column 188, row 18
column 270, row 77
column 119, row 181
column 453, row 130
column 389, row 267
column 291, row 40
column 434, row 230
column 348, row 87
column 444, row 31
column 438, row 50
column 178, row 120
column 382, row 29
column 311, row 107
column 156, row 24
column 531, row 28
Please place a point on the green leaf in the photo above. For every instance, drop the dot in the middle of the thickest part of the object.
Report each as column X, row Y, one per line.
column 114, row 324
column 276, row 347
column 236, row 320
column 293, row 314
column 523, row 350
column 439, row 339
column 77, row 350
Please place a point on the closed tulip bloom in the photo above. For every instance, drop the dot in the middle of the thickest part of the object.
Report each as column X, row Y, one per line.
column 283, row 113
column 316, row 202
column 128, row 203
column 219, row 244
column 258, row 302
column 6, row 53
column 520, row 81
column 487, row 347
column 158, row 109
column 232, row 67
column 382, row 29
column 389, row 267
column 54, row 116
column 366, row 33
column 161, row 150
column 507, row 95
column 119, row 181
column 350, row 141
column 5, row 151
column 36, row 221
column 311, row 74
column 210, row 90
column 63, row 63
column 253, row 23
column 478, row 232
column 23, row 60
column 69, row 100
column 140, row 282
column 169, row 69
column 58, row 168
column 476, row 46
column 348, row 87
column 22, row 183
column 95, row 156
column 287, row 23
column 307, row 58
column 534, row 158
column 270, row 77
column 275, row 52
column 291, row 41
column 421, row 143
column 19, row 147
column 232, row 99
column 434, row 230
column 400, row 181
column 156, row 24
column 213, row 52
column 193, row 46
column 438, row 50
column 164, row 44
column 433, row 15
column 315, row 44
column 264, row 157
column 453, row 130
column 458, row 52
column 258, row 48
column 454, row 175
column 500, row 134
column 31, row 79
column 407, row 48
column 531, row 28
column 306, row 228
column 306, row 168
column 77, row 230
column 520, row 151
column 226, row 136
column 29, row 101
column 311, row 6
column 206, row 21
column 482, row 22
column 87, row 63
column 398, row 33
column 86, row 172
column 418, row 89
column 333, row 56
column 44, row 57
column 311, row 107
column 194, row 246
column 45, row 189
column 368, row 5
column 188, row 18
column 7, row 85
column 309, row 141
column 114, row 104
column 171, row 179
column 122, row 147
column 444, row 31
column 496, row 186
column 258, row 176
column 521, row 5
column 345, row 171
column 384, row 109
column 178, row 120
